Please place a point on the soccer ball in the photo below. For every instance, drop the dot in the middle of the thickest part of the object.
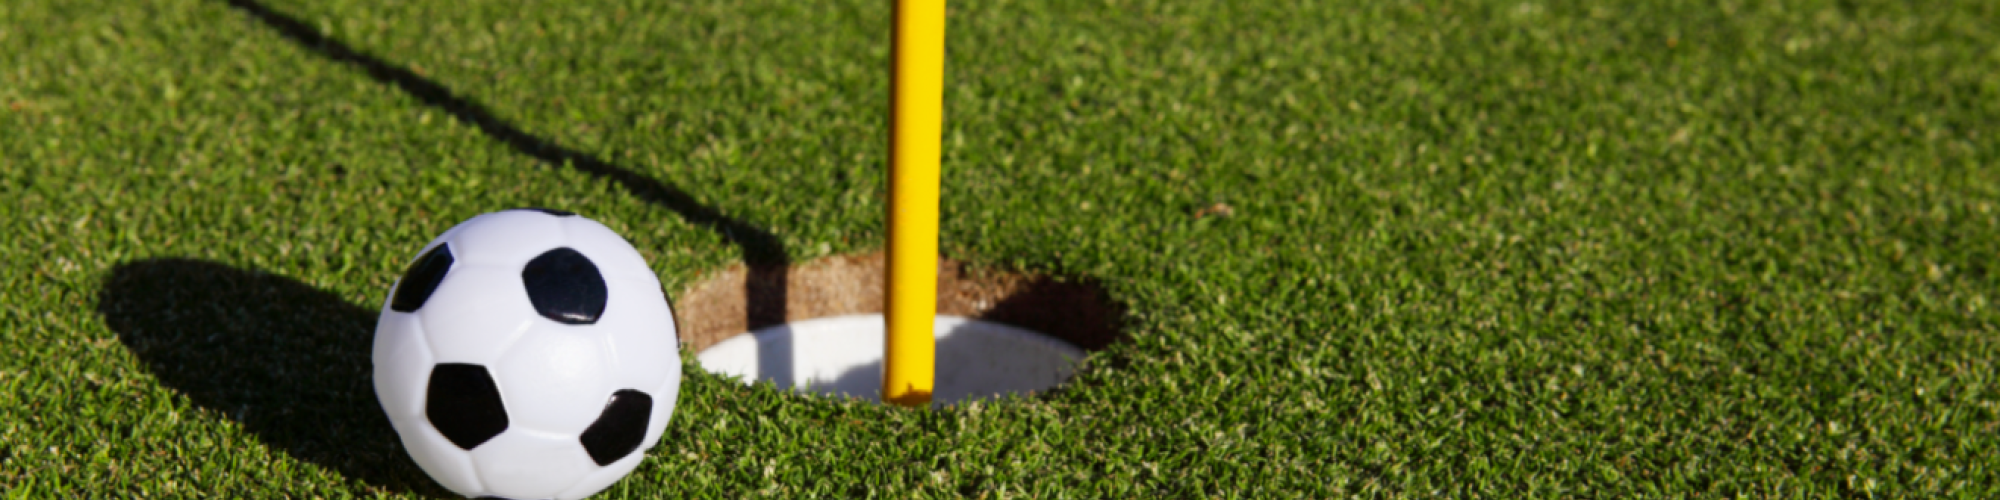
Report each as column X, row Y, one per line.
column 527, row 354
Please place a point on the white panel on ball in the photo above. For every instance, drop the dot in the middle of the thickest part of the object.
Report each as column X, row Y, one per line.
column 434, row 454
column 506, row 238
column 475, row 313
column 402, row 364
column 562, row 373
column 527, row 464
column 636, row 320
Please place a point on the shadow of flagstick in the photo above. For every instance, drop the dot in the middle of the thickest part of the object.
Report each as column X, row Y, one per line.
column 763, row 253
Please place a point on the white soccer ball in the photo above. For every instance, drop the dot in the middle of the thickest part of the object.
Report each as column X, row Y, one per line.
column 527, row 354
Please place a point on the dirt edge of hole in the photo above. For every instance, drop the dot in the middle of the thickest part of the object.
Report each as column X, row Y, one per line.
column 740, row 298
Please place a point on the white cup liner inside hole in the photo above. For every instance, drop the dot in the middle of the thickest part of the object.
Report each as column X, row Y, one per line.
column 841, row 356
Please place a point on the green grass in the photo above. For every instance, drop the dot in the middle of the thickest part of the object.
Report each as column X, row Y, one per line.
column 1550, row 249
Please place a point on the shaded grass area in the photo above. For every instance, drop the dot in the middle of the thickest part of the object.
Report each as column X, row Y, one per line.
column 1470, row 249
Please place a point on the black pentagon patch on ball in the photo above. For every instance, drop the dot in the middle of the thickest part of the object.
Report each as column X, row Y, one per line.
column 463, row 404
column 565, row 286
column 550, row 211
column 421, row 279
column 620, row 428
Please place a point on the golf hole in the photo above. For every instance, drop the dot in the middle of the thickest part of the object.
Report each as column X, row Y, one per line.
column 817, row 328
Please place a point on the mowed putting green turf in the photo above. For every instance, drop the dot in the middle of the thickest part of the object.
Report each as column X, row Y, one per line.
column 1456, row 249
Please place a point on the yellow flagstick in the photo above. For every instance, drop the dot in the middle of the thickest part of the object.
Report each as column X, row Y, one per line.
column 916, row 122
